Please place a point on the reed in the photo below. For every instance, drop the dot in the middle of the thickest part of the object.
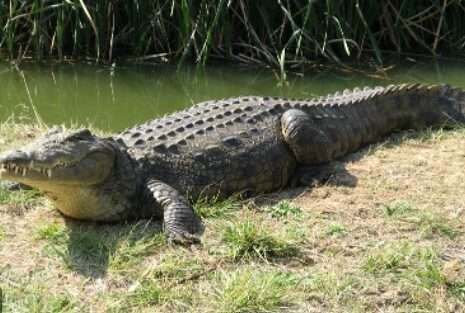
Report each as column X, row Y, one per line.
column 278, row 33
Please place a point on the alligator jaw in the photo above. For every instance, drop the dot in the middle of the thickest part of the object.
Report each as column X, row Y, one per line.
column 12, row 171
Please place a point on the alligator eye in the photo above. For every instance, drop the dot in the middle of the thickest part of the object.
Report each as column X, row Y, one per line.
column 81, row 135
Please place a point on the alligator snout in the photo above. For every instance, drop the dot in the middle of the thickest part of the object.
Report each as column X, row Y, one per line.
column 16, row 162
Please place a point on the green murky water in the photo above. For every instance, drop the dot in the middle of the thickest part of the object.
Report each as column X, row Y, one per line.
column 116, row 98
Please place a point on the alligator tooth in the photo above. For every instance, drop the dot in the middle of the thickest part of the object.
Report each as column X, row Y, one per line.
column 17, row 169
column 24, row 171
column 49, row 173
column 31, row 164
column 2, row 170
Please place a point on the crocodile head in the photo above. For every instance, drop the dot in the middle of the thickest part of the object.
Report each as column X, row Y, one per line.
column 60, row 158
column 74, row 168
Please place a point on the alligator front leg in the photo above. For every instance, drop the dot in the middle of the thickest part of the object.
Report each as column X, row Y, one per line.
column 179, row 220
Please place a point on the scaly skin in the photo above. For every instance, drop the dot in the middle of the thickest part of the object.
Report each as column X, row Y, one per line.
column 219, row 147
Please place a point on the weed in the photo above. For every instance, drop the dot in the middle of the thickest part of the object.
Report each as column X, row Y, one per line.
column 35, row 298
column 20, row 200
column 457, row 289
column 398, row 208
column 284, row 209
column 335, row 229
column 173, row 266
column 419, row 267
column 391, row 258
column 249, row 290
column 428, row 222
column 250, row 239
column 148, row 293
column 52, row 232
column 215, row 207
column 329, row 284
column 133, row 245
column 431, row 223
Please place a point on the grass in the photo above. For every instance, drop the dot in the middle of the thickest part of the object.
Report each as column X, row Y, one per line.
column 247, row 290
column 37, row 301
column 148, row 294
column 51, row 232
column 251, row 238
column 19, row 201
column 215, row 207
column 335, row 229
column 391, row 243
column 396, row 257
column 427, row 221
column 284, row 209
column 398, row 208
column 416, row 269
column 327, row 285
column 282, row 34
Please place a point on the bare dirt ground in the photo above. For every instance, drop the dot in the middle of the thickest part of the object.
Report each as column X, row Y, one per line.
column 383, row 234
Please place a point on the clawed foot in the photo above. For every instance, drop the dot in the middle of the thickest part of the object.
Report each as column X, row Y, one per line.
column 183, row 238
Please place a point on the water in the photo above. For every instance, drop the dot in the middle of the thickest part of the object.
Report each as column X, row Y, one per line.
column 115, row 98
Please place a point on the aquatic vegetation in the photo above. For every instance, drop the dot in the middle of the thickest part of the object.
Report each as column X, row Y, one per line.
column 282, row 33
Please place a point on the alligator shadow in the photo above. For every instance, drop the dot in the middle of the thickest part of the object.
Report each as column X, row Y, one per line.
column 93, row 249
column 306, row 178
column 335, row 172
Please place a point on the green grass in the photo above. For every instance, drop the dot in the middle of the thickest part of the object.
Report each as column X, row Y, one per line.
column 398, row 208
column 51, row 232
column 417, row 270
column 284, row 209
column 247, row 291
column 429, row 222
column 133, row 244
column 19, row 201
column 396, row 257
column 329, row 285
column 149, row 293
column 335, row 229
column 215, row 207
column 90, row 249
column 36, row 298
column 457, row 289
column 252, row 239
column 178, row 267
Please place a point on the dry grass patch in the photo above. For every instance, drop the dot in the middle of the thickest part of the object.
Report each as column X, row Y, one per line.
column 391, row 241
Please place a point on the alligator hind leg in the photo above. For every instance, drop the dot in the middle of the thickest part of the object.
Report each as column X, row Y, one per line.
column 310, row 144
column 313, row 175
column 179, row 219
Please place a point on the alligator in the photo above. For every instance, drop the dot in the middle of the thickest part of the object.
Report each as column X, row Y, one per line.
column 247, row 144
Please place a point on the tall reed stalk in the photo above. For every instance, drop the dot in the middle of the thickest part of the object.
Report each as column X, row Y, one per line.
column 280, row 33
